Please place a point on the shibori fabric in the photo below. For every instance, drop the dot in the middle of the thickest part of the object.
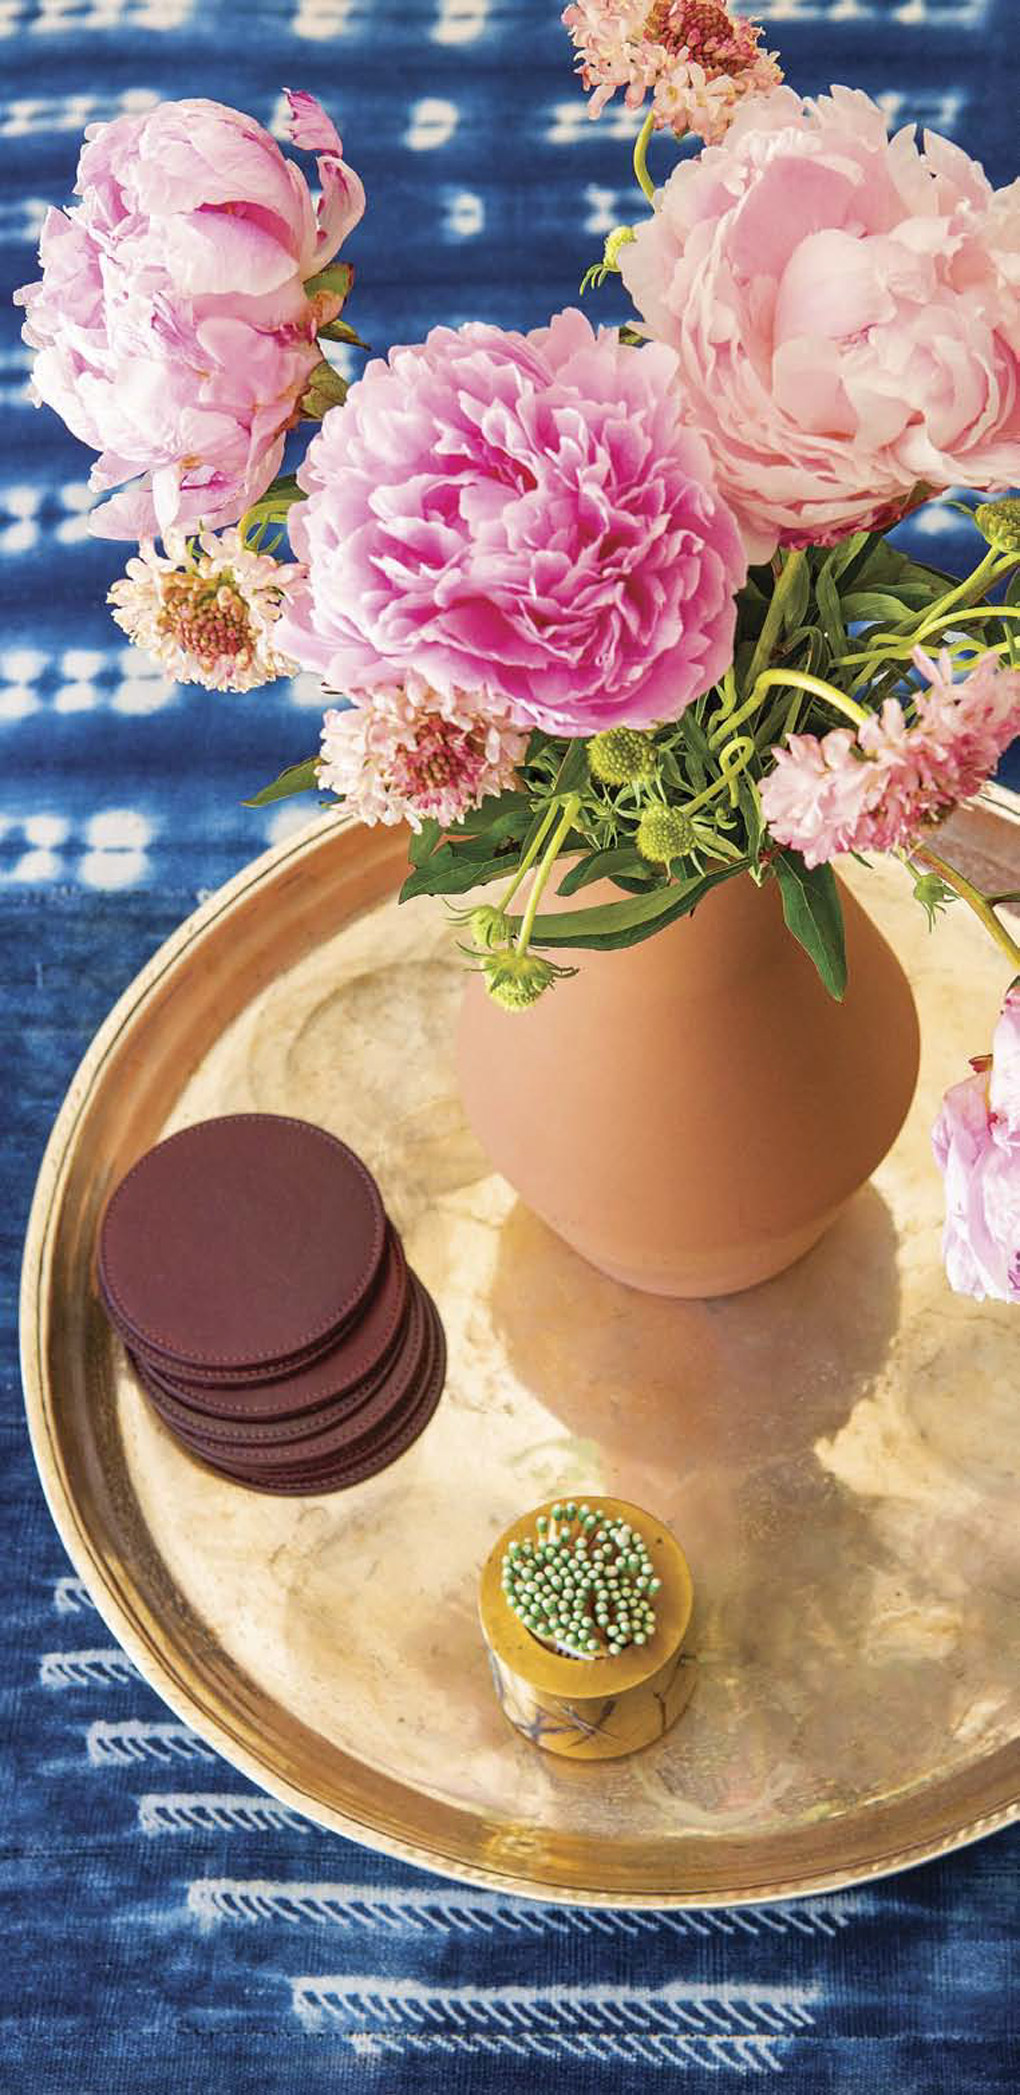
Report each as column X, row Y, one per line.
column 169, row 1928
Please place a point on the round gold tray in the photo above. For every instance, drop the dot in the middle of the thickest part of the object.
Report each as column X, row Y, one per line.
column 838, row 1451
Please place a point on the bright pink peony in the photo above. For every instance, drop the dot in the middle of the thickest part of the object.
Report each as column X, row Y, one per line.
column 521, row 515
column 977, row 1144
column 846, row 312
column 173, row 330
column 876, row 789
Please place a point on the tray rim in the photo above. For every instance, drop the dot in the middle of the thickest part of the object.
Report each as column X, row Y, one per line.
column 156, row 1664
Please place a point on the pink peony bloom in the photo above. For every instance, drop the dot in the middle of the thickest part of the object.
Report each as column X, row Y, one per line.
column 524, row 515
column 173, row 330
column 876, row 789
column 699, row 60
column 207, row 611
column 977, row 1144
column 846, row 313
column 404, row 753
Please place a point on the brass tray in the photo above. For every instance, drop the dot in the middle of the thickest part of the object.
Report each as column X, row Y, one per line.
column 838, row 1451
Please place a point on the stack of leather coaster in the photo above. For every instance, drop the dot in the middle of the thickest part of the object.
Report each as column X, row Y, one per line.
column 263, row 1295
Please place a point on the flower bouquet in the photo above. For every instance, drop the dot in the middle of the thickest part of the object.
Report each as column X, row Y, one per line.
column 607, row 608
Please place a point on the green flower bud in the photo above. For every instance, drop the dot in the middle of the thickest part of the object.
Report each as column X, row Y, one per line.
column 489, row 927
column 516, row 980
column 999, row 522
column 620, row 755
column 664, row 833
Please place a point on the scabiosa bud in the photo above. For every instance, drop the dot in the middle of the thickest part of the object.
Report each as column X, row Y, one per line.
column 490, row 928
column 516, row 980
column 620, row 755
column 664, row 833
column 999, row 522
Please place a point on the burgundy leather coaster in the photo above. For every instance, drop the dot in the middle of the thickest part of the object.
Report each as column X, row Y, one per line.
column 247, row 1447
column 319, row 1478
column 242, row 1245
column 331, row 1383
column 396, row 1435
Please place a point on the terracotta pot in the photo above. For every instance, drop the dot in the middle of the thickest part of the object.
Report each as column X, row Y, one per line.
column 692, row 1113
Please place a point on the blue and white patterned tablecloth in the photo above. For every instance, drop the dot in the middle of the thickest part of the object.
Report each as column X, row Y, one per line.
column 169, row 1929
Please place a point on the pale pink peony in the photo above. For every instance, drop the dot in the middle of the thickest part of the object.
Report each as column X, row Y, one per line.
column 173, row 330
column 406, row 753
column 977, row 1144
column 699, row 60
column 846, row 313
column 207, row 610
column 876, row 789
column 524, row 515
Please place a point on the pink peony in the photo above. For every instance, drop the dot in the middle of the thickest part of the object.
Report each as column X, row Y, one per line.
column 876, row 789
column 523, row 515
column 173, row 329
column 846, row 313
column 977, row 1144
column 699, row 60
column 404, row 754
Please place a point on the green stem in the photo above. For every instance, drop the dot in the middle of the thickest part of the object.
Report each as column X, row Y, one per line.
column 552, row 852
column 530, row 855
column 963, row 595
column 978, row 902
column 801, row 681
column 885, row 650
column 774, row 615
column 640, row 156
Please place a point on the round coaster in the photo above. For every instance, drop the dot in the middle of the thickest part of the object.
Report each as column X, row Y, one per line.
column 246, row 1447
column 340, row 1476
column 332, row 1382
column 244, row 1243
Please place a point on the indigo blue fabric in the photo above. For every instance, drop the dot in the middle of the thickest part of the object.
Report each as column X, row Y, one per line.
column 169, row 1929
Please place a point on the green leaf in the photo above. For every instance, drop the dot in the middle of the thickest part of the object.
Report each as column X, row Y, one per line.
column 887, row 567
column 604, row 865
column 298, row 778
column 423, row 841
column 618, row 924
column 573, row 771
column 829, row 610
column 272, row 507
column 849, row 554
column 450, row 872
column 339, row 331
column 877, row 606
column 798, row 599
column 749, row 802
column 814, row 914
column 338, row 278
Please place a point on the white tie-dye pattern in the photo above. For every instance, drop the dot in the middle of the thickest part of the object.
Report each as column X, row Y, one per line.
column 202, row 1811
column 71, row 1596
column 214, row 1900
column 122, row 1745
column 85, row 1669
column 745, row 2029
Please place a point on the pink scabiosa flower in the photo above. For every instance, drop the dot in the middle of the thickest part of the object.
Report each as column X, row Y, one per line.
column 172, row 326
column 524, row 515
column 845, row 308
column 405, row 753
column 877, row 788
column 976, row 1139
column 207, row 610
column 699, row 60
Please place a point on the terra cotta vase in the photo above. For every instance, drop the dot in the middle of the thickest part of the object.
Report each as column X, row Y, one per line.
column 693, row 1112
